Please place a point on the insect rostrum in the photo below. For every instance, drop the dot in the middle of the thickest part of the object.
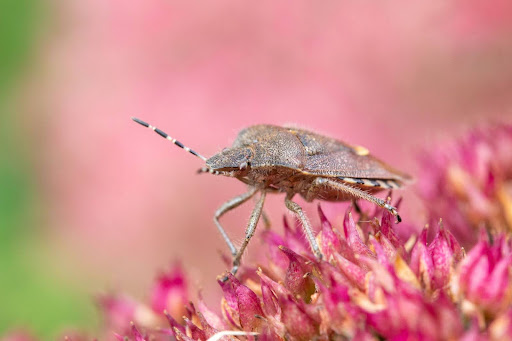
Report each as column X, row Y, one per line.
column 273, row 159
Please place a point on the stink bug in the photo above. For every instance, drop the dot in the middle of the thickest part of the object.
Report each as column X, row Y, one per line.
column 272, row 159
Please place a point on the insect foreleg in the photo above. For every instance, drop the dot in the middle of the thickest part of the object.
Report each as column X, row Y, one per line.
column 227, row 206
column 249, row 232
column 265, row 218
column 357, row 193
column 295, row 208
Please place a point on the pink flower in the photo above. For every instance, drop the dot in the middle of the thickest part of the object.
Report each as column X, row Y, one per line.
column 469, row 183
column 118, row 311
column 375, row 292
column 485, row 278
column 241, row 306
column 434, row 264
column 170, row 292
column 370, row 285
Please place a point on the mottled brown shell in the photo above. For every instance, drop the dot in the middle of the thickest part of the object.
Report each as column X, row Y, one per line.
column 303, row 151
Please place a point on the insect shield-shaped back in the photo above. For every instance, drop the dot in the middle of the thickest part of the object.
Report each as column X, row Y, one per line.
column 272, row 146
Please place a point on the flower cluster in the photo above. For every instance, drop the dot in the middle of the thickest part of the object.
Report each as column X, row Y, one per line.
column 371, row 285
column 469, row 183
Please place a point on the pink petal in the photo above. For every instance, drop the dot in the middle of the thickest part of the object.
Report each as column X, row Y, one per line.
column 118, row 311
column 268, row 334
column 173, row 323
column 194, row 331
column 273, row 241
column 352, row 235
column 296, row 320
column 353, row 272
column 465, row 268
column 330, row 241
column 333, row 298
column 499, row 280
column 384, row 274
column 478, row 278
column 170, row 292
column 181, row 336
column 418, row 250
column 270, row 302
column 387, row 228
column 332, row 275
column 456, row 249
column 297, row 278
column 207, row 327
column 277, row 288
column 442, row 259
column 244, row 302
column 382, row 256
column 136, row 334
column 389, row 249
column 229, row 304
column 449, row 324
column 295, row 238
column 211, row 318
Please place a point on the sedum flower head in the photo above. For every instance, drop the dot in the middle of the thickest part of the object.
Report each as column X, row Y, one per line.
column 469, row 183
column 370, row 286
column 484, row 278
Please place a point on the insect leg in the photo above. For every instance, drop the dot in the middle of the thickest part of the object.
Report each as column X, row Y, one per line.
column 227, row 206
column 357, row 193
column 249, row 232
column 264, row 216
column 295, row 208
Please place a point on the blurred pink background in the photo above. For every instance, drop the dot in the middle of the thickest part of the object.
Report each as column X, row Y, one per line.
column 121, row 202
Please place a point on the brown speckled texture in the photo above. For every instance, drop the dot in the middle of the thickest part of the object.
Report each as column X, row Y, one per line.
column 289, row 159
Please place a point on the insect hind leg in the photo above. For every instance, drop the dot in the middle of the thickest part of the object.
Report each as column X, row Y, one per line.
column 357, row 194
column 306, row 225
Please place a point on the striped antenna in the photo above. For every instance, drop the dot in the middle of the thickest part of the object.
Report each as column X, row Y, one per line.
column 167, row 137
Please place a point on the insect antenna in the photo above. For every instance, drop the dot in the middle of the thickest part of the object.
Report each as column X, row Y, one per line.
column 167, row 137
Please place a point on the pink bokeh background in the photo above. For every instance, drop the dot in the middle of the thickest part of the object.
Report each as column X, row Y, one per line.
column 121, row 202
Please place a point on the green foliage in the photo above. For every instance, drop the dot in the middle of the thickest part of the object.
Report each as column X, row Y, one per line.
column 30, row 298
column 18, row 21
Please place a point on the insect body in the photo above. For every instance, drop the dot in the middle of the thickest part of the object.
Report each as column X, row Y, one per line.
column 272, row 159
